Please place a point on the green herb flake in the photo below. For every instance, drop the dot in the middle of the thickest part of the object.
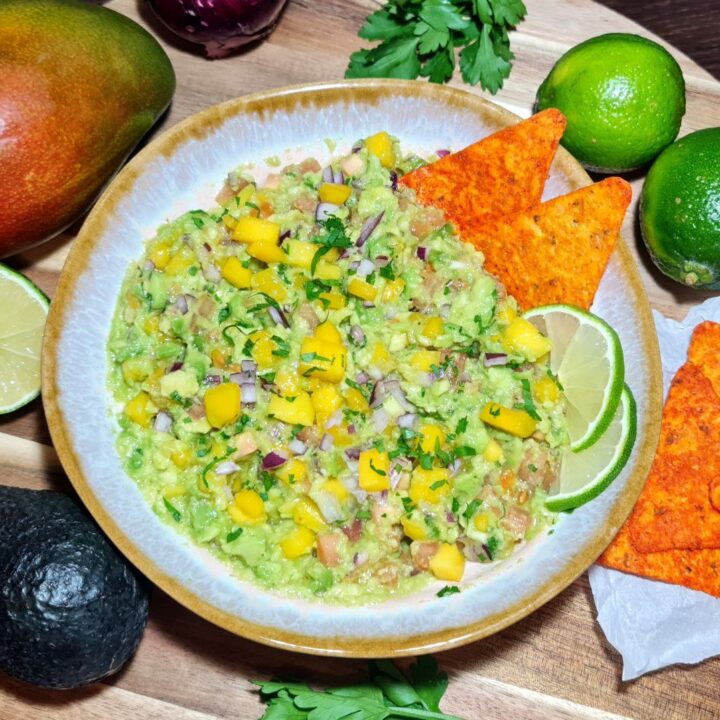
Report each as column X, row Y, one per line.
column 448, row 590
column 528, row 404
column 174, row 512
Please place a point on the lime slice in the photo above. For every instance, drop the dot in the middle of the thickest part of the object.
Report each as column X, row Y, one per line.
column 585, row 474
column 587, row 359
column 21, row 332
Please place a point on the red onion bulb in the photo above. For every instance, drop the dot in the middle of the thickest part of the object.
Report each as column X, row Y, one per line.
column 220, row 25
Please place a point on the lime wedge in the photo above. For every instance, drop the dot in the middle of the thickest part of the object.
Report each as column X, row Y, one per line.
column 587, row 359
column 585, row 474
column 21, row 332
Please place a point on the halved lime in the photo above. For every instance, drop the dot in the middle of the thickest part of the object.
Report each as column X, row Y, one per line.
column 587, row 359
column 585, row 474
column 21, row 330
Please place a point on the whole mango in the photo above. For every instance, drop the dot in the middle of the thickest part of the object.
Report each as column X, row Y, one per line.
column 80, row 85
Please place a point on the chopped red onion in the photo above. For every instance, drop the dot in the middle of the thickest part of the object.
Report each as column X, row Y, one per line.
column 243, row 378
column 273, row 460
column 278, row 317
column 163, row 422
column 394, row 180
column 378, row 394
column 368, row 228
column 358, row 337
column 421, row 252
column 375, row 372
column 249, row 366
column 207, row 247
column 492, row 359
column 368, row 304
column 365, row 267
column 450, row 517
column 324, row 211
column 442, row 153
column 360, row 558
column 357, row 148
column 283, row 237
column 351, row 429
column 327, row 442
column 327, row 174
column 149, row 265
column 400, row 467
column 226, row 468
column 362, row 377
column 175, row 366
column 353, row 453
column 338, row 177
column 407, row 421
column 444, row 311
column 213, row 379
column 381, row 261
column 392, row 385
column 354, row 265
column 297, row 447
column 248, row 393
column 212, row 273
column 381, row 419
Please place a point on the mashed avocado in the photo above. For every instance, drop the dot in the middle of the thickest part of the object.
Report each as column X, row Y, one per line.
column 320, row 384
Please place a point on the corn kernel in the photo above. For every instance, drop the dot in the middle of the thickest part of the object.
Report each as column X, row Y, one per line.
column 332, row 300
column 322, row 359
column 374, row 471
column 300, row 254
column 515, row 422
column 413, row 529
column 381, row 146
column 267, row 252
column 326, row 400
column 262, row 349
column 307, row 514
column 141, row 409
column 250, row 505
column 429, row 485
column 334, row 193
column 236, row 274
column 336, row 488
column 433, row 328
column 393, row 290
column 493, row 451
column 293, row 472
column 181, row 261
column 546, row 390
column 159, row 255
column 254, row 230
column 294, row 411
column 363, row 290
column 299, row 542
column 356, row 400
column 448, row 563
column 222, row 404
column 432, row 436
column 523, row 338
column 425, row 359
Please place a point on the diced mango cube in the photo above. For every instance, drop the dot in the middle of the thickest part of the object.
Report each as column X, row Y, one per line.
column 414, row 529
column 262, row 349
column 328, row 332
column 448, row 563
column 327, row 271
column 356, row 400
column 298, row 543
column 293, row 472
column 296, row 410
column 334, row 193
column 181, row 458
column 374, row 471
column 267, row 252
column 493, row 451
column 336, row 488
column 159, row 254
column 300, row 254
column 433, row 328
column 425, row 359
column 268, row 282
column 381, row 146
column 326, row 400
column 222, row 404
column 429, row 485
column 546, row 390
column 432, row 437
column 141, row 409
column 363, row 290
column 237, row 275
column 381, row 355
column 307, row 514
column 321, row 359
column 135, row 369
column 521, row 337
column 151, row 326
column 332, row 300
column 255, row 230
column 393, row 290
column 510, row 420
column 250, row 504
column 180, row 261
column 287, row 382
column 481, row 521
column 217, row 357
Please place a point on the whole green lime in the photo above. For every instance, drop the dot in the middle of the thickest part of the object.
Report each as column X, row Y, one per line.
column 680, row 210
column 623, row 96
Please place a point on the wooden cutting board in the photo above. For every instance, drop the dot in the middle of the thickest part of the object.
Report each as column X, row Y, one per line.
column 554, row 664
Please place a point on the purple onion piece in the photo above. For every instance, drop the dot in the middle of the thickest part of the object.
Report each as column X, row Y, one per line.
column 211, row 273
column 394, row 180
column 368, row 228
column 249, row 366
column 297, row 447
column 283, row 237
column 149, row 266
column 487, row 552
column 442, row 153
column 226, row 468
column 248, row 393
column 492, row 359
column 175, row 366
column 444, row 311
column 381, row 419
column 368, row 304
column 354, row 265
column 212, row 379
column 381, row 261
column 243, row 378
column 357, row 148
column 273, row 460
column 353, row 453
column 362, row 377
column 163, row 422
column 326, row 443
column 207, row 247
column 278, row 317
column 360, row 558
column 358, row 337
column 450, row 517
column 421, row 252
column 327, row 174
column 338, row 177
column 351, row 429
column 365, row 268
column 378, row 394
column 324, row 210
column 392, row 385
column 335, row 419
column 407, row 421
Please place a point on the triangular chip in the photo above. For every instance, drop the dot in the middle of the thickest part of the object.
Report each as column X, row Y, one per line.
column 704, row 352
column 557, row 252
column 695, row 569
column 501, row 174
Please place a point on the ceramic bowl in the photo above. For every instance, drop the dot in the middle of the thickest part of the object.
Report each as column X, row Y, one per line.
column 183, row 169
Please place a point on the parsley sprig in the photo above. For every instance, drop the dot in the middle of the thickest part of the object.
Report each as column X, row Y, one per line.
column 387, row 694
column 420, row 37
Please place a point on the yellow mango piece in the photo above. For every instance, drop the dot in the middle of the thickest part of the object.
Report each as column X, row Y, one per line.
column 151, row 326
column 263, row 346
column 229, row 222
column 237, row 275
column 268, row 282
column 332, row 300
column 413, row 529
column 509, row 420
column 425, row 359
column 287, row 382
column 329, row 333
column 334, row 193
column 393, row 290
column 336, row 488
column 381, row 355
column 250, row 504
column 506, row 314
column 307, row 514
column 521, row 337
column 256, row 230
column 356, row 400
column 181, row 458
column 381, row 146
column 546, row 390
column 325, row 270
column 433, row 328
column 429, row 485
column 135, row 370
column 222, row 404
column 322, row 359
column 267, row 252
column 294, row 411
column 448, row 563
column 363, row 290
column 293, row 472
column 141, row 409
column 298, row 543
column 326, row 400
column 481, row 522
column 493, row 451
column 432, row 435
column 300, row 254
column 180, row 261
column 374, row 470
column 159, row 255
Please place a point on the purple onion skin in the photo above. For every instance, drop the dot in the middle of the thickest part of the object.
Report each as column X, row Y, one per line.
column 220, row 25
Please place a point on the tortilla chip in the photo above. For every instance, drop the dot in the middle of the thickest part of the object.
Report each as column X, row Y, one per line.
column 704, row 352
column 674, row 511
column 714, row 491
column 501, row 174
column 557, row 252
column 695, row 569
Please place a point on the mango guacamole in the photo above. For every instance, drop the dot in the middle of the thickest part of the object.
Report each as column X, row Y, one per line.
column 318, row 382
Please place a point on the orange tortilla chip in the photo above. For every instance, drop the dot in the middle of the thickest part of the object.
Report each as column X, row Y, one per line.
column 501, row 174
column 704, row 352
column 715, row 493
column 557, row 252
column 695, row 569
column 674, row 511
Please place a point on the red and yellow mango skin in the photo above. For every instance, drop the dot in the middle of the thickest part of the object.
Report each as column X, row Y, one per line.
column 80, row 85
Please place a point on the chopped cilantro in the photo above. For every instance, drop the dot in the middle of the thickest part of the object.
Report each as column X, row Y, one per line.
column 448, row 590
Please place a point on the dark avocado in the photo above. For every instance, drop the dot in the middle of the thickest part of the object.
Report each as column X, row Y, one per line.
column 72, row 610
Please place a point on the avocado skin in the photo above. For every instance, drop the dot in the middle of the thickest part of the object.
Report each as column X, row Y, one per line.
column 72, row 610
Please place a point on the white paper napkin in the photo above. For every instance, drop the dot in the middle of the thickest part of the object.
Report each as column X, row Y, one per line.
column 654, row 624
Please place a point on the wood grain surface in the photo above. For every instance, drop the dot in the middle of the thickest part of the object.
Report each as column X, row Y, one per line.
column 555, row 664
